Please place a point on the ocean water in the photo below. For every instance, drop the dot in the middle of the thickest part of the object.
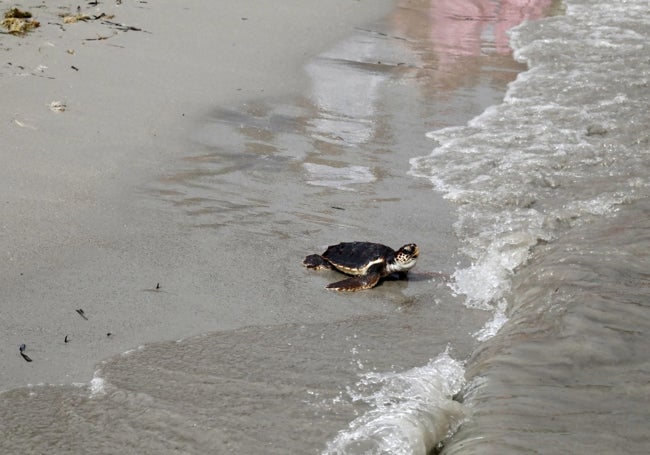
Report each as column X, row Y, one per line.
column 552, row 187
column 523, row 328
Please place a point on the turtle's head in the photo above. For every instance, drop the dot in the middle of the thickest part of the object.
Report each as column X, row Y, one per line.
column 406, row 257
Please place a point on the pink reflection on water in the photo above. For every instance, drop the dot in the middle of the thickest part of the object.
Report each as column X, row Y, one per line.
column 454, row 39
column 463, row 27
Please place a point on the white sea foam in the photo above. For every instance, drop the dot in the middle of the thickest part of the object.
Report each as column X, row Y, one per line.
column 131, row 351
column 97, row 385
column 543, row 161
column 410, row 411
column 493, row 326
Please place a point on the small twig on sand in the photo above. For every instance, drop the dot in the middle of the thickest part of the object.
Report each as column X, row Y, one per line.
column 22, row 348
column 100, row 38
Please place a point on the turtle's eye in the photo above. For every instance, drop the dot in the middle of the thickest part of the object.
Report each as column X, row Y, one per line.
column 411, row 249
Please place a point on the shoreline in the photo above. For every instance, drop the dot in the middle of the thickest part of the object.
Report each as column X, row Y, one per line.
column 164, row 217
column 76, row 232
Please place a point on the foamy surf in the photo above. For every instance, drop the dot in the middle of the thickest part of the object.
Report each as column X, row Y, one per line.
column 517, row 171
column 410, row 411
column 97, row 385
column 550, row 187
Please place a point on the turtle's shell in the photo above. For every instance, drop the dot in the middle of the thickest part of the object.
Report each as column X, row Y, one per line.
column 355, row 257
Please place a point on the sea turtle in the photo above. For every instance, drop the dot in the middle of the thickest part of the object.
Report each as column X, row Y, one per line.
column 366, row 262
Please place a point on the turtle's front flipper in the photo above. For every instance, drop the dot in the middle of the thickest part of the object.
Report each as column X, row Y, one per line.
column 356, row 283
column 315, row 261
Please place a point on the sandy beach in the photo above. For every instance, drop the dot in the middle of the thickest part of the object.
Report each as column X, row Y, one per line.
column 167, row 167
column 93, row 110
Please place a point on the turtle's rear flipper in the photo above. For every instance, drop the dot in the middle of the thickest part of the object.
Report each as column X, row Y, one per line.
column 315, row 261
column 356, row 283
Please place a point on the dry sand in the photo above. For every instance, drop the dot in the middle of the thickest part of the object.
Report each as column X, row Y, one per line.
column 77, row 230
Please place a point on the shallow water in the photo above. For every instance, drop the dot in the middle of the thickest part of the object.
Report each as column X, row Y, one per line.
column 276, row 389
column 570, row 368
column 549, row 245
column 552, row 187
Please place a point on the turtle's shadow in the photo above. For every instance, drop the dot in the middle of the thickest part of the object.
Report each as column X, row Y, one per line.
column 418, row 276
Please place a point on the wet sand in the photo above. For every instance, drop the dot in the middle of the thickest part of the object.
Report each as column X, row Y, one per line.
column 188, row 177
column 77, row 231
